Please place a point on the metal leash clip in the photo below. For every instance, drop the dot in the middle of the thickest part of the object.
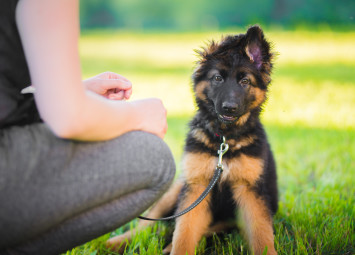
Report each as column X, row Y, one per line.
column 223, row 148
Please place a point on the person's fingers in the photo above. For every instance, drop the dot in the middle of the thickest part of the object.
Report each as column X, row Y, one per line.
column 112, row 75
column 117, row 96
column 115, row 84
column 128, row 93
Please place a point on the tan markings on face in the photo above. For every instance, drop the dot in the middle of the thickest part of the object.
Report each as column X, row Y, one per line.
column 260, row 96
column 200, row 88
column 243, row 169
column 265, row 77
column 241, row 121
column 250, row 77
column 257, row 221
column 198, row 167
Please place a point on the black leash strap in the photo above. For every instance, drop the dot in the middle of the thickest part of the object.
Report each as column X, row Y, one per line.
column 217, row 174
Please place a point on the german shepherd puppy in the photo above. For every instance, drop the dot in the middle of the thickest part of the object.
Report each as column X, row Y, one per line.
column 230, row 85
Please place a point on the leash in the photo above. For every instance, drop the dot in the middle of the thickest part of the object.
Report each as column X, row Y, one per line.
column 223, row 148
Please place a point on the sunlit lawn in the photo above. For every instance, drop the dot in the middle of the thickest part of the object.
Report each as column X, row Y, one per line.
column 309, row 118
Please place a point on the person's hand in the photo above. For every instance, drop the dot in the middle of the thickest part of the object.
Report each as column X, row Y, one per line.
column 110, row 85
column 152, row 116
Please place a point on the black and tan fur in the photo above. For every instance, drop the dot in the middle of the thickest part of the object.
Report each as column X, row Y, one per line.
column 230, row 85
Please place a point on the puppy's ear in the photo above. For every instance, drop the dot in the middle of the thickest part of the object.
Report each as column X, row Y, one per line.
column 257, row 48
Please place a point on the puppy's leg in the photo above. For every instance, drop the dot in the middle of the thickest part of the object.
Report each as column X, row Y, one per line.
column 256, row 218
column 167, row 249
column 161, row 208
column 192, row 226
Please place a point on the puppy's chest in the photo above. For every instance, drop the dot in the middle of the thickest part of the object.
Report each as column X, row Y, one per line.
column 199, row 168
column 242, row 169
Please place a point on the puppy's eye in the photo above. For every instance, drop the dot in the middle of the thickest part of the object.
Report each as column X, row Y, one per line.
column 245, row 82
column 218, row 78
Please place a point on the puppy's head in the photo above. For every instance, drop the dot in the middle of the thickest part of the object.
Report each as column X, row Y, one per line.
column 232, row 76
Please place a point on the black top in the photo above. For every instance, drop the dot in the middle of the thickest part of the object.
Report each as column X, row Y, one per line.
column 15, row 108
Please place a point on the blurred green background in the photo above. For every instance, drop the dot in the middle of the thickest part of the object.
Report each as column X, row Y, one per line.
column 309, row 115
column 187, row 15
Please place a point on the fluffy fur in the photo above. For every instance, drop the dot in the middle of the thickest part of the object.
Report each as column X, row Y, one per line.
column 230, row 85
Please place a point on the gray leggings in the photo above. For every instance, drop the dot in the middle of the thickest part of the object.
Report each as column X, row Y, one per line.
column 56, row 194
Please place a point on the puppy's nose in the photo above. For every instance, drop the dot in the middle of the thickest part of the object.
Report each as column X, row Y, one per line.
column 229, row 107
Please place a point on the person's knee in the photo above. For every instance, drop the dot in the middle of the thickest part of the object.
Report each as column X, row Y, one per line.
column 157, row 157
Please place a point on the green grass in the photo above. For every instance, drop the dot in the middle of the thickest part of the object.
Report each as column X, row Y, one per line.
column 309, row 120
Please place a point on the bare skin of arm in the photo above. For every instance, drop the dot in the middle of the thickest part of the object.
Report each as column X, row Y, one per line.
column 49, row 32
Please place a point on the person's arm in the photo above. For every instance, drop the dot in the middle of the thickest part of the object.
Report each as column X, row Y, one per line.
column 49, row 31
